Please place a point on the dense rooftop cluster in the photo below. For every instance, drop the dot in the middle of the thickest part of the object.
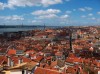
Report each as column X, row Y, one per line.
column 48, row 51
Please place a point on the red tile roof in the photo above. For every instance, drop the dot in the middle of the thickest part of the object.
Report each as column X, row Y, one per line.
column 15, row 59
column 40, row 70
column 38, row 58
column 58, row 54
column 2, row 58
column 73, row 60
column 71, row 70
column 12, row 52
column 72, row 55
column 49, row 31
column 98, row 64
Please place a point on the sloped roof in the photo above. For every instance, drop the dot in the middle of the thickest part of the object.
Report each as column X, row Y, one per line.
column 12, row 52
column 40, row 70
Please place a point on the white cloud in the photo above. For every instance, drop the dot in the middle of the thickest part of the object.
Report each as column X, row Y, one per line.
column 36, row 21
column 92, row 18
column 98, row 13
column 1, row 6
column 50, row 2
column 64, row 19
column 46, row 12
column 88, row 8
column 49, row 16
column 23, row 3
column 90, row 14
column 98, row 20
column 82, row 9
column 65, row 16
column 89, row 17
column 13, row 17
column 83, row 16
column 67, row 0
column 85, row 9
column 74, row 9
column 68, row 12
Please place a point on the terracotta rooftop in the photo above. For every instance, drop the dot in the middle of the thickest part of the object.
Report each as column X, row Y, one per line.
column 12, row 52
column 2, row 58
column 71, row 70
column 40, row 70
column 38, row 58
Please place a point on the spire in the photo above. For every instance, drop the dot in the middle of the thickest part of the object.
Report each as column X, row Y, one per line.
column 70, row 38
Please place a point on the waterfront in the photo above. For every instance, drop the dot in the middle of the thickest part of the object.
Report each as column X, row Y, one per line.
column 2, row 30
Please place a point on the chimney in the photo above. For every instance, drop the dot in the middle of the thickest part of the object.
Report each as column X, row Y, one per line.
column 65, row 70
column 49, row 62
column 73, row 50
column 9, row 60
column 25, row 71
column 38, row 64
column 20, row 60
column 12, row 63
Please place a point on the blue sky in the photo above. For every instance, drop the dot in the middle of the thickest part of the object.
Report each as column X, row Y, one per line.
column 50, row 12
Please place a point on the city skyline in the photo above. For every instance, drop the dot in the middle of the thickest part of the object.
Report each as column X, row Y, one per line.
column 50, row 12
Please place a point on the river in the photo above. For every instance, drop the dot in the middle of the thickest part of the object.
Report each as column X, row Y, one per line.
column 2, row 30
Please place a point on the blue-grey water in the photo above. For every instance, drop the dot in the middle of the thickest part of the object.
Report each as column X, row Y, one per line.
column 2, row 30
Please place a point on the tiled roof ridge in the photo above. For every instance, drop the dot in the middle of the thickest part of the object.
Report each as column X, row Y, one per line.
column 49, row 69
